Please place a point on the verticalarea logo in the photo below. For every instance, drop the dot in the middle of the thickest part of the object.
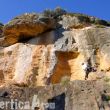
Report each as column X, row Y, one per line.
column 15, row 104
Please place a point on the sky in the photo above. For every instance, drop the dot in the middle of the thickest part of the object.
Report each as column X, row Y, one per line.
column 11, row 8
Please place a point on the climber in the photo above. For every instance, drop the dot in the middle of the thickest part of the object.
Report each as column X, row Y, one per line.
column 84, row 67
column 87, row 68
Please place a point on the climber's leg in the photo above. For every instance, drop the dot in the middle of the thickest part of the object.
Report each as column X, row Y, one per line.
column 86, row 74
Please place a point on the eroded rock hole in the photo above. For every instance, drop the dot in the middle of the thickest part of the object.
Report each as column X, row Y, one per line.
column 57, row 103
column 24, row 38
column 37, row 108
column 65, row 63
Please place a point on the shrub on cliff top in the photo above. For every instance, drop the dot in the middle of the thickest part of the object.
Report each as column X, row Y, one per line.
column 89, row 19
column 101, row 22
column 54, row 13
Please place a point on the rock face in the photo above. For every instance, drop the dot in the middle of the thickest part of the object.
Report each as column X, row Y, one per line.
column 26, row 26
column 42, row 57
column 39, row 50
column 77, row 95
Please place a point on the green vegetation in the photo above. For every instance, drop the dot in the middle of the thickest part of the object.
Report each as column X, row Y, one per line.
column 89, row 19
column 65, row 80
column 101, row 22
column 105, row 97
column 108, row 97
column 107, row 79
column 100, row 26
column 54, row 13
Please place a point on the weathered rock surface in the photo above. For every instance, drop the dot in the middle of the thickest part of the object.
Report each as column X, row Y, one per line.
column 38, row 50
column 26, row 26
column 77, row 95
column 49, row 57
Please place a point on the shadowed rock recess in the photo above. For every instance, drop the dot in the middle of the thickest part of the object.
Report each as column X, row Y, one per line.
column 42, row 54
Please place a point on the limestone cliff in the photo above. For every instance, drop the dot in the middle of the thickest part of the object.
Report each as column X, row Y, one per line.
column 76, row 95
column 49, row 48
